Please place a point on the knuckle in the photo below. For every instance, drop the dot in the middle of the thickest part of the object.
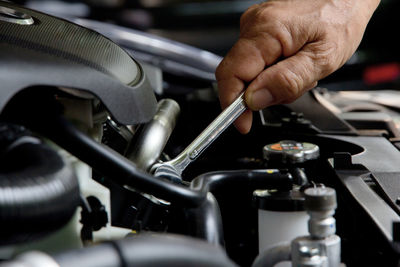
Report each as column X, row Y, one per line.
column 291, row 85
column 265, row 13
column 249, row 14
column 325, row 58
column 245, row 16
column 268, row 13
column 243, row 19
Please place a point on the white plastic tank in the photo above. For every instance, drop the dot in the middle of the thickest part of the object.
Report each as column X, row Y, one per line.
column 281, row 218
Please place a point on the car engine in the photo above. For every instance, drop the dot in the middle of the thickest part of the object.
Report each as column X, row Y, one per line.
column 99, row 167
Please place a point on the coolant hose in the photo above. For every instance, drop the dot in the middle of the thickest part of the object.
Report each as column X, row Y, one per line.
column 107, row 161
column 121, row 171
column 244, row 179
column 100, row 157
column 38, row 191
column 114, row 166
column 273, row 256
column 144, row 250
column 206, row 221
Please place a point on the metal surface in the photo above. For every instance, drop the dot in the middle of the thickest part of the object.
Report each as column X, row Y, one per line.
column 14, row 16
column 155, row 135
column 206, row 138
column 322, row 247
column 307, row 252
column 289, row 151
column 320, row 205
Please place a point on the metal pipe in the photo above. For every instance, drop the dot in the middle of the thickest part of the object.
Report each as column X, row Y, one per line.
column 155, row 135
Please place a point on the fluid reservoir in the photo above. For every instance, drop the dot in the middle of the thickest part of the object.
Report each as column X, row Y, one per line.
column 281, row 214
column 281, row 217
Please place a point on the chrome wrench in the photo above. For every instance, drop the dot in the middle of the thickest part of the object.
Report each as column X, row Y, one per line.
column 176, row 166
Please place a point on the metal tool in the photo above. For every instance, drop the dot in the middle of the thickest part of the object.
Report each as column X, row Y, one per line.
column 175, row 167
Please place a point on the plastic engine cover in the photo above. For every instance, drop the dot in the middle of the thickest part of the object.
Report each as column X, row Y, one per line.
column 40, row 50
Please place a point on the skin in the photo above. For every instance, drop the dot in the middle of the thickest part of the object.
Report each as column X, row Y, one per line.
column 286, row 46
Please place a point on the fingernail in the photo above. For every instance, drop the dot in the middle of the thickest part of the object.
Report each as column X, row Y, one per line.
column 260, row 99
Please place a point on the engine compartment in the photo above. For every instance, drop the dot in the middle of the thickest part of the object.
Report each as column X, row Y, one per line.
column 230, row 204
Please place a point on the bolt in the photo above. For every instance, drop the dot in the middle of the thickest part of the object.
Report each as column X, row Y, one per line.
column 308, row 251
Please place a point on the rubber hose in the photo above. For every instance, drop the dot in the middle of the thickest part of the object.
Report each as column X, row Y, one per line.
column 242, row 179
column 45, row 118
column 205, row 221
column 38, row 190
column 114, row 166
column 146, row 250
column 273, row 256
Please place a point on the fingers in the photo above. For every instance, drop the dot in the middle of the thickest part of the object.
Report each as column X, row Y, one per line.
column 242, row 65
column 311, row 38
column 286, row 81
column 243, row 123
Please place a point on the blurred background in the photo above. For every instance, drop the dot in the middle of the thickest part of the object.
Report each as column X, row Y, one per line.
column 214, row 26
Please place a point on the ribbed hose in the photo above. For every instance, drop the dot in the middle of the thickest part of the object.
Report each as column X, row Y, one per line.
column 38, row 191
column 45, row 118
column 121, row 171
column 144, row 250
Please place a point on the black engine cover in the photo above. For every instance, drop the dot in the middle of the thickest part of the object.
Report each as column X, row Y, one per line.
column 40, row 50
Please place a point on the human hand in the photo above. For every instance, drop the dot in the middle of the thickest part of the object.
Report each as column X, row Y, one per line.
column 286, row 46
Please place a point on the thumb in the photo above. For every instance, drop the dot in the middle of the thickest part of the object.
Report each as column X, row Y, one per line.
column 285, row 81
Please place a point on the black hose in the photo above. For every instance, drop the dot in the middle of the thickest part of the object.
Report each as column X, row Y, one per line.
column 149, row 250
column 45, row 117
column 38, row 190
column 273, row 256
column 144, row 250
column 122, row 171
column 242, row 179
column 116, row 167
column 205, row 221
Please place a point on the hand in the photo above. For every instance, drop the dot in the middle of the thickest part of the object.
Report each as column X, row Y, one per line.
column 286, row 46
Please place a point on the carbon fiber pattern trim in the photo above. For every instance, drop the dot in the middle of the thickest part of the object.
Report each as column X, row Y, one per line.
column 72, row 42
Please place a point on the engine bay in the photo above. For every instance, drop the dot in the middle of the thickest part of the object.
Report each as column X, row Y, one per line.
column 87, row 111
